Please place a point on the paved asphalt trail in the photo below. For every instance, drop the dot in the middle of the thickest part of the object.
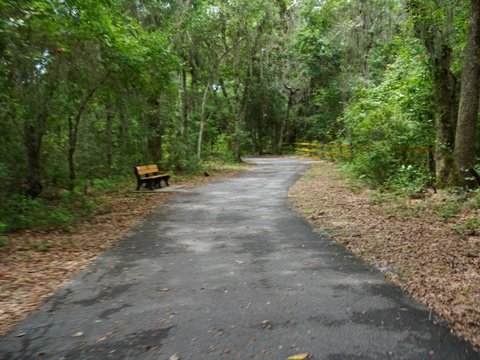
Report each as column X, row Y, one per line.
column 230, row 271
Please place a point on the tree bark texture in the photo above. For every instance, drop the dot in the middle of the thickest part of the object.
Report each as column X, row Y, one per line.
column 465, row 139
column 445, row 117
column 436, row 42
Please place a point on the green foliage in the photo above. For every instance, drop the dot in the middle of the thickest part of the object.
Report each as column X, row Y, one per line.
column 20, row 212
column 221, row 148
column 383, row 121
column 3, row 228
column 446, row 211
column 375, row 165
column 106, row 85
column 410, row 179
column 472, row 224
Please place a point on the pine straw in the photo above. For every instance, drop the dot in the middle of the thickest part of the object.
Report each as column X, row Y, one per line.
column 37, row 263
column 420, row 244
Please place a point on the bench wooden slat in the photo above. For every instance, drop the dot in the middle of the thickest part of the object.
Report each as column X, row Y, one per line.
column 149, row 174
column 147, row 169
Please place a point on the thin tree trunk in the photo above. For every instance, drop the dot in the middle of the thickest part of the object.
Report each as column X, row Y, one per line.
column 205, row 93
column 33, row 143
column 109, row 123
column 465, row 139
column 365, row 68
column 185, row 104
column 72, row 141
column 240, row 119
column 73, row 124
column 202, row 120
column 155, row 144
column 287, row 115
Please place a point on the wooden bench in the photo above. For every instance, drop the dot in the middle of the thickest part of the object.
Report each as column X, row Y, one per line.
column 150, row 176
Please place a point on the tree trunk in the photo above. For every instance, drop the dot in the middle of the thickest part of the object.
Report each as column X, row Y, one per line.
column 444, row 87
column 202, row 120
column 465, row 139
column 155, row 144
column 185, row 105
column 109, row 121
column 33, row 143
column 240, row 120
column 72, row 141
column 73, row 124
column 205, row 93
column 445, row 117
column 285, row 119
column 368, row 47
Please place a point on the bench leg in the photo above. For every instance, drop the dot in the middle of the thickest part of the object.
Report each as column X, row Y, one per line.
column 149, row 184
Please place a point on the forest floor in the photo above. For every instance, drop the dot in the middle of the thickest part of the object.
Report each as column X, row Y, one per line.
column 429, row 246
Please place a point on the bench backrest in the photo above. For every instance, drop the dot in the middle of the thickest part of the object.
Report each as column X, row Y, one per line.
column 146, row 169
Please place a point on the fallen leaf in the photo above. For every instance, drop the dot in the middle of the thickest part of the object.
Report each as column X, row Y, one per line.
column 77, row 334
column 174, row 357
column 164, row 289
column 299, row 357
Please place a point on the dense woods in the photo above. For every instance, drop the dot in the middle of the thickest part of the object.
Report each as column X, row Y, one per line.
column 91, row 88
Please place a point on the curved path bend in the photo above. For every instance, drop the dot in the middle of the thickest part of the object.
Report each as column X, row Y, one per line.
column 231, row 271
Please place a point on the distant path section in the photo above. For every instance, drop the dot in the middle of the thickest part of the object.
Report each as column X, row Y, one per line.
column 231, row 271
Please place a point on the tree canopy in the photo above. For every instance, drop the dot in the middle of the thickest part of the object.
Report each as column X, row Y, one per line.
column 91, row 88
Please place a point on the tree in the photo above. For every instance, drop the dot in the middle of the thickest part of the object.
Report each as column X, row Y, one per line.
column 291, row 94
column 465, row 153
column 433, row 24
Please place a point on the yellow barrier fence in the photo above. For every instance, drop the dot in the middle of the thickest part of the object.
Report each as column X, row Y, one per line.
column 344, row 151
column 320, row 150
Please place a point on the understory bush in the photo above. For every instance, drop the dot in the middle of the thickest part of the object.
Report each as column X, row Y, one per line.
column 21, row 212
column 384, row 120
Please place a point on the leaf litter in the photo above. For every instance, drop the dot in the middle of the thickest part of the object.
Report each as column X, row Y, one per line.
column 430, row 251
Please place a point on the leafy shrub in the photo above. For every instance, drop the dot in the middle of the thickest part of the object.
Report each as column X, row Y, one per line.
column 374, row 165
column 382, row 121
column 3, row 228
column 21, row 212
column 410, row 179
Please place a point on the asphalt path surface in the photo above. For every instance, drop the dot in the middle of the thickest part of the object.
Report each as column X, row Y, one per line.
column 231, row 271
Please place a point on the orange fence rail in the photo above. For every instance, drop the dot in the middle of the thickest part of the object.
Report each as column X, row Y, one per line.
column 321, row 150
column 342, row 150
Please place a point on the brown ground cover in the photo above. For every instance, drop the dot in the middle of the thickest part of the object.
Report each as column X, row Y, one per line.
column 429, row 246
